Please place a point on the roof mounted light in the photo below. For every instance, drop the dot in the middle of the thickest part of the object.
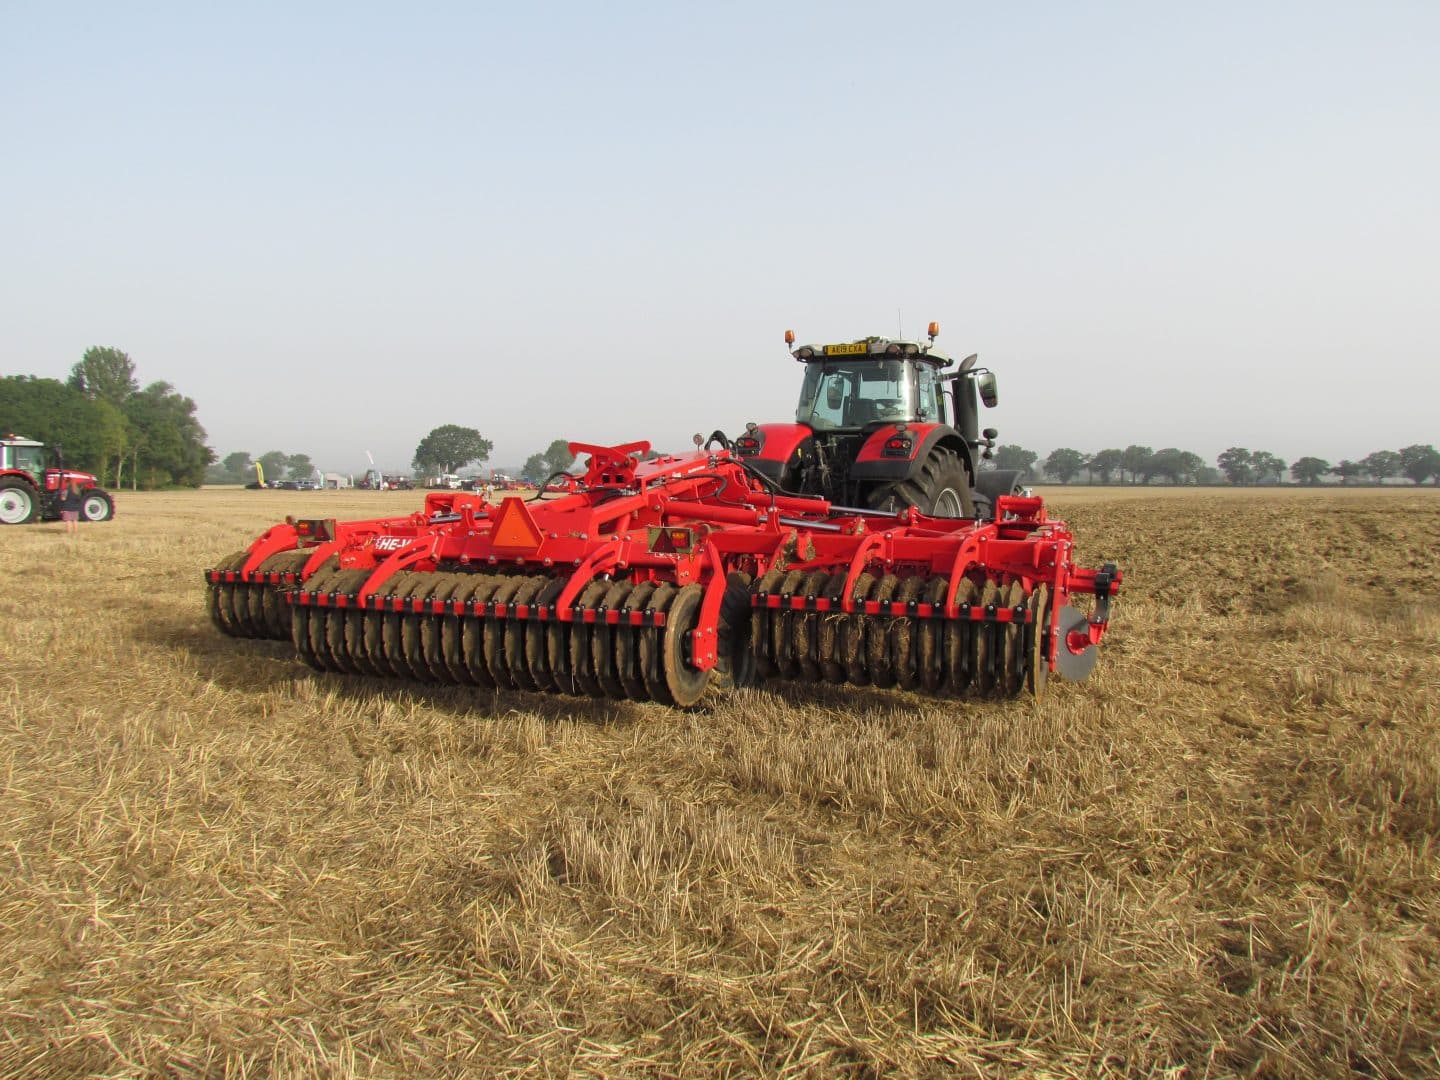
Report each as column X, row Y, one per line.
column 893, row 350
column 805, row 352
column 934, row 330
column 789, row 337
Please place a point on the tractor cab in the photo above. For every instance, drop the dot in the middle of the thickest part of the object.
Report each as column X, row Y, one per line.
column 850, row 391
column 23, row 455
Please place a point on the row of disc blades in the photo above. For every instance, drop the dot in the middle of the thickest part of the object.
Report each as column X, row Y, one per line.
column 952, row 658
column 243, row 609
column 644, row 663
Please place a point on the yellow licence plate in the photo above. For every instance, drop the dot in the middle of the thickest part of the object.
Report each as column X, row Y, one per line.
column 847, row 350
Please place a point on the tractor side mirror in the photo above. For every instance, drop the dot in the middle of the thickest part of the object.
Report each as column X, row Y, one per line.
column 835, row 394
column 989, row 393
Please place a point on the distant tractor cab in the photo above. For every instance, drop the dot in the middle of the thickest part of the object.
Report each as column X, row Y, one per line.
column 30, row 491
column 883, row 424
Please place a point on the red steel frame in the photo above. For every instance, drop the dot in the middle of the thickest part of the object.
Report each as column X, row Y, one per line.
column 735, row 522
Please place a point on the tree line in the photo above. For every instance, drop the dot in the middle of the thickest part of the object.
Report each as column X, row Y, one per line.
column 1236, row 465
column 103, row 422
column 239, row 467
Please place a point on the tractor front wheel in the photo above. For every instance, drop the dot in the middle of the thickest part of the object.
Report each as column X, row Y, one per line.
column 19, row 501
column 97, row 506
column 940, row 487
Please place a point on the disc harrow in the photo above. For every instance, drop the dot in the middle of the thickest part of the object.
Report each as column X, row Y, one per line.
column 668, row 580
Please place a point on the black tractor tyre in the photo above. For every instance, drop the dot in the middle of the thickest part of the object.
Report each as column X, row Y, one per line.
column 19, row 501
column 97, row 505
column 991, row 484
column 940, row 487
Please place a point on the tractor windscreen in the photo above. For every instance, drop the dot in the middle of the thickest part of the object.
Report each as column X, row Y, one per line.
column 30, row 459
column 853, row 393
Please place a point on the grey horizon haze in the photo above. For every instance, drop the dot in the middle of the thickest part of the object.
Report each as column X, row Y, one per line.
column 339, row 226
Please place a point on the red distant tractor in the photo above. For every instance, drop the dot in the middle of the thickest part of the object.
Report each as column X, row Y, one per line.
column 29, row 491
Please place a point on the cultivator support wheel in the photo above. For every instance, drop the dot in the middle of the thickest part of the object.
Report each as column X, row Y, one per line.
column 671, row 579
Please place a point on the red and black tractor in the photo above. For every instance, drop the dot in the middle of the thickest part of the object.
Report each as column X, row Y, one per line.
column 882, row 425
column 31, row 491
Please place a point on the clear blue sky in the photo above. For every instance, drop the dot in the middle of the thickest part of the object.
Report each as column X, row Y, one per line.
column 337, row 226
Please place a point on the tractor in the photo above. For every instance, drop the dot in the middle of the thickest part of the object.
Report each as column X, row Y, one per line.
column 30, row 491
column 882, row 425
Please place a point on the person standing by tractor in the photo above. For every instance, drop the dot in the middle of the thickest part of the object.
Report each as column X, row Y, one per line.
column 71, row 499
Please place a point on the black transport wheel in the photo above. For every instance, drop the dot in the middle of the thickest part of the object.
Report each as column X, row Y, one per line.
column 19, row 501
column 940, row 487
column 97, row 506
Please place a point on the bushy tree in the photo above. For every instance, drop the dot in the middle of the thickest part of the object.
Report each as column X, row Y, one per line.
column 236, row 466
column 1418, row 463
column 1013, row 457
column 1236, row 464
column 1106, row 462
column 535, row 469
column 1381, row 464
column 88, row 432
column 1177, row 466
column 1137, row 462
column 168, row 442
column 105, row 373
column 272, row 464
column 107, row 425
column 558, row 457
column 449, row 448
column 1309, row 470
column 1347, row 470
column 1064, row 464
column 299, row 465
column 1267, row 466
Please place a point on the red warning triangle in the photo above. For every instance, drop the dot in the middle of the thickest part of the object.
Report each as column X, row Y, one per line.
column 513, row 528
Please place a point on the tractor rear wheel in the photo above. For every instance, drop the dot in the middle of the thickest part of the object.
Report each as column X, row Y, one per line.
column 939, row 488
column 19, row 501
column 97, row 506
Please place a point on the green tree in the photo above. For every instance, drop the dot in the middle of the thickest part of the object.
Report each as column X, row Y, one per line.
column 298, row 466
column 449, row 448
column 167, row 441
column 1137, row 462
column 85, row 431
column 1267, row 466
column 1419, row 462
column 1348, row 470
column 1105, row 463
column 272, row 464
column 1309, row 470
column 558, row 457
column 535, row 469
column 1064, row 464
column 105, row 373
column 236, row 466
column 1381, row 464
column 1177, row 466
column 1237, row 464
column 1013, row 457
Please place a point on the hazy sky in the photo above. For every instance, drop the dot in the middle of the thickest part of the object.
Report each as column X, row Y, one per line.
column 337, row 226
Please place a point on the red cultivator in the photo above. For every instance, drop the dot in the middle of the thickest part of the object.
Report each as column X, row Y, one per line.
column 660, row 580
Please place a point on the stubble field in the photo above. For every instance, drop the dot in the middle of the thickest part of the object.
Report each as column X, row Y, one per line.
column 1217, row 857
